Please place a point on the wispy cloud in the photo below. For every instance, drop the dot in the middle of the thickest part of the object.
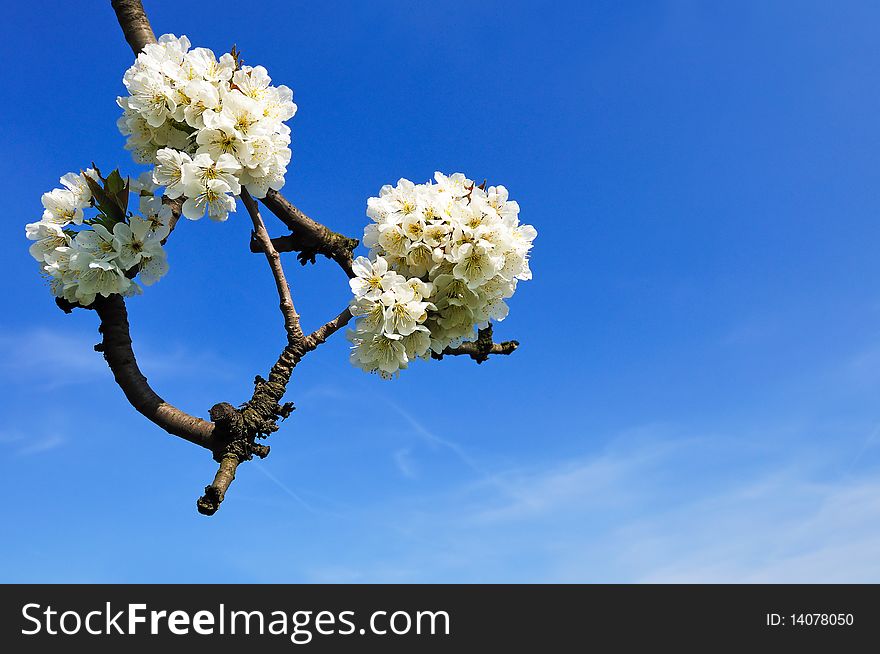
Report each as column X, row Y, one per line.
column 18, row 444
column 620, row 515
column 605, row 480
column 40, row 446
column 405, row 464
column 784, row 528
column 284, row 488
column 54, row 358
column 429, row 437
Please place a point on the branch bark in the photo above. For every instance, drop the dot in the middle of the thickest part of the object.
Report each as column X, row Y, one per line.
column 480, row 349
column 291, row 317
column 258, row 417
column 117, row 350
column 308, row 237
column 216, row 491
column 134, row 23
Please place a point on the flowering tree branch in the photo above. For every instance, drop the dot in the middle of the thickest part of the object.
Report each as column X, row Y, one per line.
column 93, row 266
column 259, row 416
column 308, row 237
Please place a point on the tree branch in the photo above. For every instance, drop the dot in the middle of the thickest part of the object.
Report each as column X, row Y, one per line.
column 480, row 349
column 291, row 318
column 134, row 23
column 216, row 491
column 176, row 208
column 326, row 330
column 258, row 417
column 117, row 350
column 308, row 237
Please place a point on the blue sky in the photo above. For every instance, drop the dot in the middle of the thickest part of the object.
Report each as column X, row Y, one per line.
column 696, row 395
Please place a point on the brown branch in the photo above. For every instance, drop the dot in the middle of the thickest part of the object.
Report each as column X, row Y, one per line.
column 291, row 318
column 214, row 494
column 308, row 237
column 117, row 350
column 480, row 349
column 134, row 23
column 326, row 330
column 138, row 32
column 176, row 208
column 233, row 431
column 258, row 417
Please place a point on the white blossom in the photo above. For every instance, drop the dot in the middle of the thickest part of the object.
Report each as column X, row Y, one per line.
column 372, row 278
column 203, row 168
column 169, row 171
column 136, row 242
column 444, row 257
column 62, row 207
column 47, row 236
column 187, row 106
column 83, row 259
column 101, row 278
column 214, row 196
column 76, row 184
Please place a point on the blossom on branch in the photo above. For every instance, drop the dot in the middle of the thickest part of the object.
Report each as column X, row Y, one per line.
column 444, row 257
column 207, row 125
column 83, row 257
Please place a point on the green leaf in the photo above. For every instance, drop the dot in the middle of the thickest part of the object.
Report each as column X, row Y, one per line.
column 110, row 196
column 102, row 201
column 114, row 183
column 94, row 186
column 117, row 189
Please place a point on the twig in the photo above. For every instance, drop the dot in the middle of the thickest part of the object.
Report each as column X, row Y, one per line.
column 309, row 237
column 326, row 330
column 480, row 349
column 291, row 318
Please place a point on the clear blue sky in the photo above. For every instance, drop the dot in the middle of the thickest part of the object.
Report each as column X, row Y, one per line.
column 697, row 395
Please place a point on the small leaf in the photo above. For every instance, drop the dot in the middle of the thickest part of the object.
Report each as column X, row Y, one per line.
column 114, row 183
column 102, row 201
column 122, row 196
column 97, row 172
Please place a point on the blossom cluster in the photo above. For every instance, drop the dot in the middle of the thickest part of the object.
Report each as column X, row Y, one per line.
column 208, row 125
column 85, row 257
column 444, row 257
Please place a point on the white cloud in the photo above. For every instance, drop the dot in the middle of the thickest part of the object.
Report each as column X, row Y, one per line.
column 52, row 358
column 785, row 528
column 19, row 444
column 42, row 445
column 405, row 464
column 618, row 516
